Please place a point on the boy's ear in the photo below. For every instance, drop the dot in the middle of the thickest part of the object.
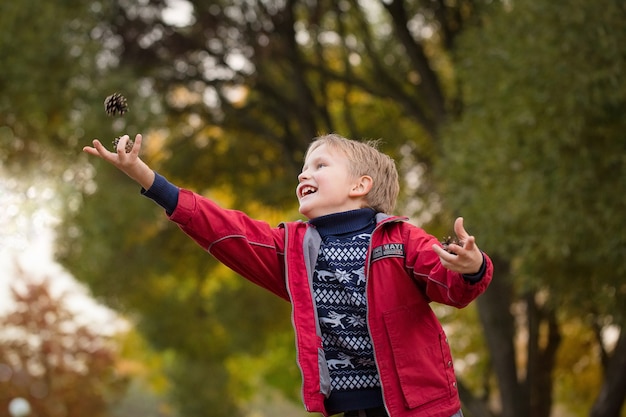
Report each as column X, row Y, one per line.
column 362, row 186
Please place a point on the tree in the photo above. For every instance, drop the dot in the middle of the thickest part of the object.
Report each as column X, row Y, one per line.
column 543, row 101
column 62, row 367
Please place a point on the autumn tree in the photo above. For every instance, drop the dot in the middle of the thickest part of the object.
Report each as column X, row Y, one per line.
column 61, row 366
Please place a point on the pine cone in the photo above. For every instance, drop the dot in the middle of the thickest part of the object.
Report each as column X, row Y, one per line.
column 129, row 144
column 114, row 104
column 446, row 241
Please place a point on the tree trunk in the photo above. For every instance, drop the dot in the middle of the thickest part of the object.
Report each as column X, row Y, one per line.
column 499, row 327
column 613, row 392
column 542, row 350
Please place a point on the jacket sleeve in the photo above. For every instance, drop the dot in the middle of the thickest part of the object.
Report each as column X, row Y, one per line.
column 251, row 248
column 440, row 284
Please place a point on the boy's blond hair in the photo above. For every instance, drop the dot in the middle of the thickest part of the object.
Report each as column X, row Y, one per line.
column 366, row 159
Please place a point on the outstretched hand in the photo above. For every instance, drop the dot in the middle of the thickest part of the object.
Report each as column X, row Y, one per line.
column 465, row 258
column 127, row 162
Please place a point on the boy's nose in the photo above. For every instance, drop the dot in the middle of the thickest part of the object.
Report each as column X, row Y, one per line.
column 302, row 176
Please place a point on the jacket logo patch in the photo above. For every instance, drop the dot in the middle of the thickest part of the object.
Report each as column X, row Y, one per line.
column 393, row 250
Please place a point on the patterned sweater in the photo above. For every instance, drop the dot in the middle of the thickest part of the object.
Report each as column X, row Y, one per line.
column 339, row 291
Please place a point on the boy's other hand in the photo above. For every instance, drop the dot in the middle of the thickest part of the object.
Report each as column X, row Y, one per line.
column 465, row 258
column 127, row 162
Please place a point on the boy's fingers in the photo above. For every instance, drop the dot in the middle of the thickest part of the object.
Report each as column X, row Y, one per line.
column 459, row 229
column 99, row 146
column 136, row 144
column 444, row 254
column 438, row 250
column 470, row 243
column 96, row 149
column 120, row 148
column 117, row 155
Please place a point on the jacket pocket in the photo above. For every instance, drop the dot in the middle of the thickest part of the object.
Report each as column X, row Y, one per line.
column 420, row 353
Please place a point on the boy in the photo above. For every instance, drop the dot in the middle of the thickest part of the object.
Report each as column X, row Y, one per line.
column 359, row 280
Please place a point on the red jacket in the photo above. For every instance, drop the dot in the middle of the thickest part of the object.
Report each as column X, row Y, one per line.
column 403, row 276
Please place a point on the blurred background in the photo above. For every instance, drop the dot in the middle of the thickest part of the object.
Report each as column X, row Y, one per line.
column 509, row 113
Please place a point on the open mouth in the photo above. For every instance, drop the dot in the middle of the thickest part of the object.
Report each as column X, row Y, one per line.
column 307, row 190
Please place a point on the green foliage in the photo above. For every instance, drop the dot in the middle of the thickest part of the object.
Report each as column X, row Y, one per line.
column 538, row 154
column 200, row 387
column 45, row 71
column 535, row 160
column 267, row 368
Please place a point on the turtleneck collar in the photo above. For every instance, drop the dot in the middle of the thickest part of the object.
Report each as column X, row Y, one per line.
column 346, row 223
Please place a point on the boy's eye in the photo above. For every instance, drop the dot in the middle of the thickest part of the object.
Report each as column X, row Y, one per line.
column 320, row 166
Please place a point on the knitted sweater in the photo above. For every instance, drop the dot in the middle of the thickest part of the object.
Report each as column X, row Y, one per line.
column 339, row 291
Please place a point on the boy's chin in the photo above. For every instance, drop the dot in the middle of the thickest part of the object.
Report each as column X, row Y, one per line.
column 306, row 213
column 309, row 212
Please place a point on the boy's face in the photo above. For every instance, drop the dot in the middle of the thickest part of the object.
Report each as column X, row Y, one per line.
column 326, row 185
